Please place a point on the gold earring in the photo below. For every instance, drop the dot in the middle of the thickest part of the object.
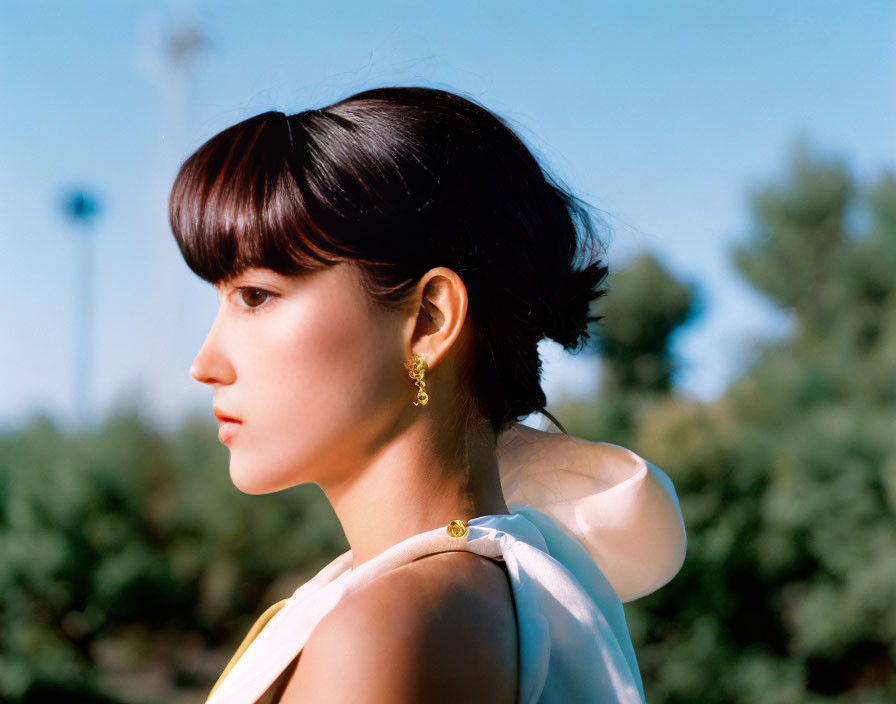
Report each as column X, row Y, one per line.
column 417, row 370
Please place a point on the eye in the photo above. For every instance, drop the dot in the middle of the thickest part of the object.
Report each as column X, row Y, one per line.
column 251, row 298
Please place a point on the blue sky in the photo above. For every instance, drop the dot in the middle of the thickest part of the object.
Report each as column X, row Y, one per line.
column 662, row 114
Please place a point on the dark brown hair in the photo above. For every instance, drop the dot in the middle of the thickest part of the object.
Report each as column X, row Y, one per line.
column 401, row 180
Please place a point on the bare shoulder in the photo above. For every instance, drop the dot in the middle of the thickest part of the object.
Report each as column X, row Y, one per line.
column 440, row 629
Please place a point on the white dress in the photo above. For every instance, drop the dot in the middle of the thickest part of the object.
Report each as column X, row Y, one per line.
column 572, row 556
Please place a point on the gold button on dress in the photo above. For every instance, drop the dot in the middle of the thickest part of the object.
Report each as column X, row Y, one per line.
column 457, row 528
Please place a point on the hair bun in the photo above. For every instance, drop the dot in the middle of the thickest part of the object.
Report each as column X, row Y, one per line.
column 565, row 307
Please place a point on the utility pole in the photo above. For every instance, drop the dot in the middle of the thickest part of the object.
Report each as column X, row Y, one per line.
column 170, row 43
column 81, row 209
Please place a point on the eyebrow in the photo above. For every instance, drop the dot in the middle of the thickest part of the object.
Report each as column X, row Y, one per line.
column 234, row 278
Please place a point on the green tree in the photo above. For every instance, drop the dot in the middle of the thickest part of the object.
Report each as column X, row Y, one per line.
column 786, row 483
column 124, row 546
column 643, row 307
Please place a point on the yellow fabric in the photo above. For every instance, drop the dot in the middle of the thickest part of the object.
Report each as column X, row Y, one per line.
column 250, row 636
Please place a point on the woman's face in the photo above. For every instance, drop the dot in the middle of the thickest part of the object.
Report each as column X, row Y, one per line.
column 310, row 368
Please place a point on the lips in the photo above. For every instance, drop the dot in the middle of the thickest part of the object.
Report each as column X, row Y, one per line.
column 224, row 417
column 229, row 426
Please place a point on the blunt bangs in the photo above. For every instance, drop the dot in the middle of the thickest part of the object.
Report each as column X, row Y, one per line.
column 236, row 203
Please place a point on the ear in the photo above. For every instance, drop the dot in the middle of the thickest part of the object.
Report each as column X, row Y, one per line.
column 441, row 315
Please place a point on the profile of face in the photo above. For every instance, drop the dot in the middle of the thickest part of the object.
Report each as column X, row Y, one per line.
column 311, row 368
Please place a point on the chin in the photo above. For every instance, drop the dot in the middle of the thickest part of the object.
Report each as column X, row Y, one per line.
column 250, row 480
column 263, row 478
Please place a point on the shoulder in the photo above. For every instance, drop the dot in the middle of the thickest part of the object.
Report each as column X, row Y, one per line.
column 442, row 628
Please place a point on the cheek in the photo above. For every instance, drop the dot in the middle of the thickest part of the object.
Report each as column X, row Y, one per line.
column 322, row 390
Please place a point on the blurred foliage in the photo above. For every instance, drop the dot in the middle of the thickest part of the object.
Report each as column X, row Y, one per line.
column 124, row 546
column 127, row 546
column 634, row 338
column 643, row 307
column 788, row 482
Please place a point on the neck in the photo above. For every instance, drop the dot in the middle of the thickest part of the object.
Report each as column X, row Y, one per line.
column 411, row 486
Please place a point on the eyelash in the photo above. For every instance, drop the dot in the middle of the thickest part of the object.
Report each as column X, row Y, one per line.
column 252, row 310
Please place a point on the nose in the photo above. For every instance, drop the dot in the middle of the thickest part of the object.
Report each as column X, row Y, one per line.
column 211, row 366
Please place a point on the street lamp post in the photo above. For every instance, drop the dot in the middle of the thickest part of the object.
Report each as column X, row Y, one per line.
column 81, row 208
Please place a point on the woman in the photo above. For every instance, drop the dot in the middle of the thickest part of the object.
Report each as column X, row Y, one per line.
column 386, row 267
